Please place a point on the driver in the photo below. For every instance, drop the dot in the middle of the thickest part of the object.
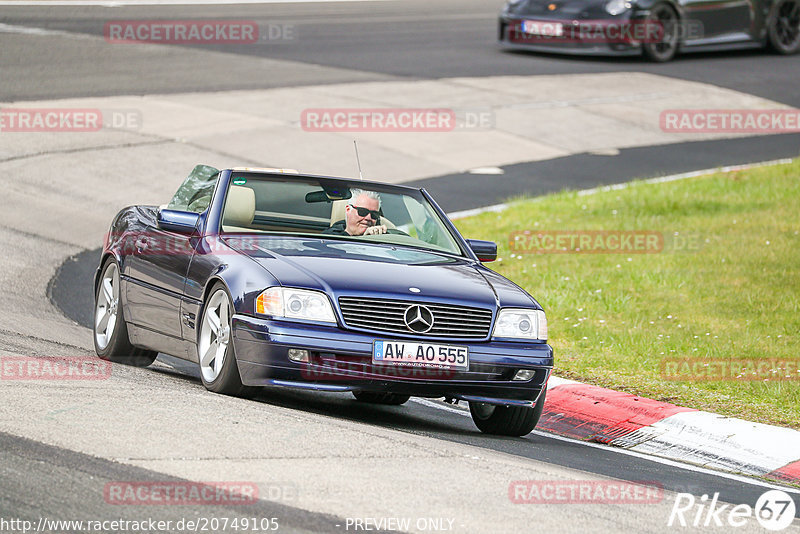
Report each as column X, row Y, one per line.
column 361, row 215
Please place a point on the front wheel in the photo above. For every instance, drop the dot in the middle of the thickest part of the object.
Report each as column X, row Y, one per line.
column 784, row 28
column 665, row 20
column 506, row 420
column 218, row 369
column 111, row 341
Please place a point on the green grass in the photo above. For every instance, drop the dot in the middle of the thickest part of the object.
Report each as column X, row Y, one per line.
column 614, row 319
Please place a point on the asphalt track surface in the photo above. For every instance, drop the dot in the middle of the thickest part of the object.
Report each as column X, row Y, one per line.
column 68, row 290
column 413, row 39
column 389, row 40
column 31, row 470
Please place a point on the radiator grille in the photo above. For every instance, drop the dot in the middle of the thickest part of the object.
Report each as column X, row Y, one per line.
column 386, row 315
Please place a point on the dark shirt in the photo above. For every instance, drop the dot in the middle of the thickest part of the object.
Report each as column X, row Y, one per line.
column 337, row 228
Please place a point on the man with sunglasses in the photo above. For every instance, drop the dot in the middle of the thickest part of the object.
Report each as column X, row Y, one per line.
column 361, row 215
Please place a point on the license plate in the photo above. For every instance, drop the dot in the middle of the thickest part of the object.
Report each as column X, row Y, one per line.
column 546, row 29
column 420, row 355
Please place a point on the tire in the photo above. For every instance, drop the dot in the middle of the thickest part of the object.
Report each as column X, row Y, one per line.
column 110, row 332
column 666, row 48
column 218, row 370
column 783, row 32
column 506, row 420
column 389, row 399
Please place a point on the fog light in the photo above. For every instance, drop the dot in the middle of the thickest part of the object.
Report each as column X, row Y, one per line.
column 298, row 355
column 524, row 374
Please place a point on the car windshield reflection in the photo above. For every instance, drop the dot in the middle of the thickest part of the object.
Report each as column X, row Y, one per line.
column 338, row 210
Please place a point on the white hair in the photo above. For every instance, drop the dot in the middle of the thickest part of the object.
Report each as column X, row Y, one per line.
column 355, row 193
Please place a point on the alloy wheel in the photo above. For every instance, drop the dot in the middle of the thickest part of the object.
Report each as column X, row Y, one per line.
column 107, row 306
column 215, row 333
column 787, row 24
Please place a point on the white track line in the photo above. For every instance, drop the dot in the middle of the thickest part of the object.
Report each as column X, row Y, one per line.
column 719, row 442
column 657, row 459
column 43, row 32
column 672, row 463
column 625, row 185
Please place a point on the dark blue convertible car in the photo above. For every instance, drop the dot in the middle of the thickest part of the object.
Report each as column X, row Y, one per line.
column 273, row 278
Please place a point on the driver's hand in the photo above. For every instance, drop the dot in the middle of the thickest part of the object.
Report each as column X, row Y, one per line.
column 378, row 229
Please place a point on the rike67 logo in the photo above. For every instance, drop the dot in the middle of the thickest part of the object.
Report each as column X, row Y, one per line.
column 774, row 510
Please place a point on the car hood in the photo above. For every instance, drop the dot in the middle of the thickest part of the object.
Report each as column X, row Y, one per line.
column 348, row 268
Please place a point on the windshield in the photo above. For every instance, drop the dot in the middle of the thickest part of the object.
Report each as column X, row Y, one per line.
column 336, row 209
column 195, row 192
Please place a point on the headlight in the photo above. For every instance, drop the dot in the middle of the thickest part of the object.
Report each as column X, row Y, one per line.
column 295, row 304
column 615, row 7
column 521, row 324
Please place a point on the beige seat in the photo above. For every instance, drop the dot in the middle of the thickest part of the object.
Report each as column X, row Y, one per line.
column 337, row 213
column 240, row 209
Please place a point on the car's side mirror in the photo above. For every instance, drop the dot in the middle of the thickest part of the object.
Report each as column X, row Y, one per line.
column 485, row 250
column 182, row 222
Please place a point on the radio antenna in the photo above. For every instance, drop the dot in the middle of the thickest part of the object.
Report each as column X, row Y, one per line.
column 360, row 177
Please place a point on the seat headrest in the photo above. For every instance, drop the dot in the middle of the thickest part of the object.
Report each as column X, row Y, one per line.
column 240, row 206
column 337, row 210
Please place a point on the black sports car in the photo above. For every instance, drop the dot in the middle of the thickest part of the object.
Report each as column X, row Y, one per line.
column 267, row 278
column 657, row 28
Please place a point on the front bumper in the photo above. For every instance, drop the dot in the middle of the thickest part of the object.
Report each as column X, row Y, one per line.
column 581, row 37
column 341, row 360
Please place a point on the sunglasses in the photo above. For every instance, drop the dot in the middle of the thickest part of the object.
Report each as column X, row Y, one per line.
column 363, row 212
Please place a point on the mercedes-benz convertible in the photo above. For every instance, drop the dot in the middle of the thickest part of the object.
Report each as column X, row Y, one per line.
column 271, row 278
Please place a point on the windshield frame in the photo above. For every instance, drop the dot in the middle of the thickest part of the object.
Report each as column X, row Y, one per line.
column 449, row 256
column 226, row 177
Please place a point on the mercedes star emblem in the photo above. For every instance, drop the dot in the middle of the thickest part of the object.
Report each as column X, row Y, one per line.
column 419, row 319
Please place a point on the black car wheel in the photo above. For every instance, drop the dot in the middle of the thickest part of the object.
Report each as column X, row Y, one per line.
column 390, row 399
column 111, row 340
column 784, row 28
column 664, row 18
column 218, row 369
column 506, row 420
